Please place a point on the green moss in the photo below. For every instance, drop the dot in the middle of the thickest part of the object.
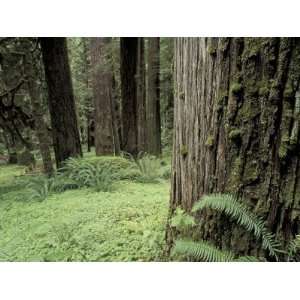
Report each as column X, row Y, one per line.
column 221, row 99
column 209, row 141
column 288, row 92
column 235, row 134
column 234, row 178
column 212, row 50
column 252, row 48
column 251, row 172
column 284, row 147
column 236, row 88
column 263, row 91
column 184, row 150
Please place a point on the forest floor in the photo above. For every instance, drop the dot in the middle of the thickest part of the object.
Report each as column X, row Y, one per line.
column 126, row 224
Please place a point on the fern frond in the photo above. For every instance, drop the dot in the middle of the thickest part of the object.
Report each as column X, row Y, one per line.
column 202, row 251
column 239, row 212
column 293, row 247
column 247, row 259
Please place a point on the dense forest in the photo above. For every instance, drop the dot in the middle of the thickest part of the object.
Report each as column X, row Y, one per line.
column 150, row 149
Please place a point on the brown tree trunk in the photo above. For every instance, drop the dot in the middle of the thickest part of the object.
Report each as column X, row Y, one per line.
column 88, row 99
column 128, row 50
column 40, row 124
column 141, row 97
column 105, row 139
column 61, row 100
column 153, row 98
column 237, row 110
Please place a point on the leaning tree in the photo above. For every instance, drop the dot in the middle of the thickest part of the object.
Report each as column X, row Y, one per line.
column 237, row 114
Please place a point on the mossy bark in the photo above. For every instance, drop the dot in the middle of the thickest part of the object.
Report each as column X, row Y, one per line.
column 237, row 115
column 41, row 129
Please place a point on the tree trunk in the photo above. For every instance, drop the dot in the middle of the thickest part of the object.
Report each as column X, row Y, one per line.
column 103, row 98
column 237, row 110
column 40, row 124
column 128, row 67
column 88, row 98
column 153, row 98
column 61, row 100
column 141, row 97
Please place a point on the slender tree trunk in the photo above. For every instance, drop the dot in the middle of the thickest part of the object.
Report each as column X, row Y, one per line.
column 141, row 97
column 61, row 100
column 237, row 109
column 128, row 50
column 102, row 88
column 88, row 99
column 40, row 124
column 153, row 98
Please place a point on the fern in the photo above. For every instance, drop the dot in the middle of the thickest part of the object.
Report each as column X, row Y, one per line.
column 247, row 259
column 202, row 251
column 182, row 220
column 83, row 173
column 240, row 213
column 149, row 168
column 293, row 248
column 40, row 187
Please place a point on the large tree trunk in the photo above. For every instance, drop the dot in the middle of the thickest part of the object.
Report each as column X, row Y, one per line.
column 141, row 97
column 61, row 100
column 105, row 139
column 128, row 50
column 153, row 98
column 237, row 110
column 40, row 124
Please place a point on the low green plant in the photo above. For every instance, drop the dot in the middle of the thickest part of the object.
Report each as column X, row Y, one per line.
column 293, row 248
column 204, row 251
column 40, row 187
column 238, row 212
column 85, row 174
column 148, row 167
column 182, row 220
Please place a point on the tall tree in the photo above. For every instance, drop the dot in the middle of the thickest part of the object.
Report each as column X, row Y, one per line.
column 141, row 96
column 166, row 90
column 106, row 139
column 61, row 100
column 41, row 129
column 153, row 98
column 237, row 110
column 128, row 68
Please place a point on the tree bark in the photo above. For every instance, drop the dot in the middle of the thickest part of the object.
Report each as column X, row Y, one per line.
column 105, row 139
column 41, row 129
column 61, row 100
column 237, row 110
column 153, row 98
column 141, row 96
column 128, row 67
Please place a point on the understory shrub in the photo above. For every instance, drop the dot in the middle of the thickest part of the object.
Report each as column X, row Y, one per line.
column 145, row 168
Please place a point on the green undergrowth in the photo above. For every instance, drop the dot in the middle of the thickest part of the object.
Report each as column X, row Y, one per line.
column 126, row 223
